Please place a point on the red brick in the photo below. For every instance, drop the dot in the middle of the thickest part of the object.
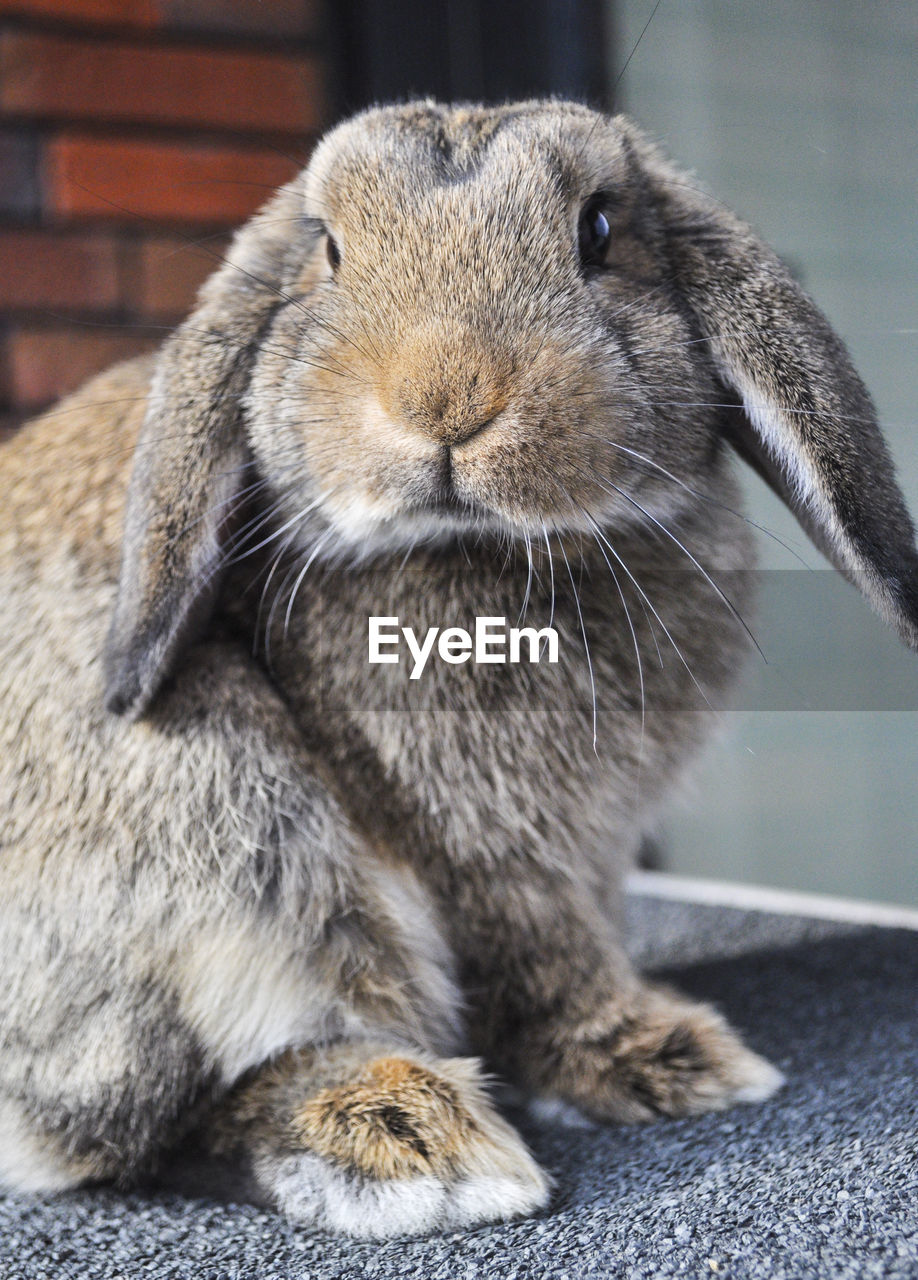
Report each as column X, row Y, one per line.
column 128, row 13
column 41, row 268
column 165, row 274
column 43, row 364
column 52, row 76
column 274, row 19
column 129, row 179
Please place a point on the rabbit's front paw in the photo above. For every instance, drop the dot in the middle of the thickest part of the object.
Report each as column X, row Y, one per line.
column 402, row 1148
column 662, row 1055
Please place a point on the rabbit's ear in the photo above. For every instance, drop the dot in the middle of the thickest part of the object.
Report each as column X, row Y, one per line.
column 191, row 462
column 810, row 426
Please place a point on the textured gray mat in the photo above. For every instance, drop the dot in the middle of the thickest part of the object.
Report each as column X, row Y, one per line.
column 821, row 1182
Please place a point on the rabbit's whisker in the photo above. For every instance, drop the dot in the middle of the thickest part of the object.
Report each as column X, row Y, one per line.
column 551, row 574
column 612, row 487
column 259, row 613
column 96, row 404
column 302, row 574
column 586, row 643
column 705, row 497
column 231, row 505
column 505, row 544
column 647, row 600
column 236, row 553
column 265, row 519
column 407, row 556
column 287, row 298
column 635, row 302
column 278, row 595
column 673, row 346
column 634, row 48
column 226, row 341
column 634, row 639
column 529, row 573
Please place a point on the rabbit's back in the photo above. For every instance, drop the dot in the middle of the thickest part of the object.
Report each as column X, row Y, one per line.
column 64, row 477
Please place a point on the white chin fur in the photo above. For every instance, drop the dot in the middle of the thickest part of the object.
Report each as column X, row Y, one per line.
column 367, row 530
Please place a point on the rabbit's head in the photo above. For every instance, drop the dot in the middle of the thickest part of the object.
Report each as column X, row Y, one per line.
column 515, row 320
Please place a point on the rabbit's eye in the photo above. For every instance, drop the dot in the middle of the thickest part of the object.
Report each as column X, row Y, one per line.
column 332, row 253
column 594, row 235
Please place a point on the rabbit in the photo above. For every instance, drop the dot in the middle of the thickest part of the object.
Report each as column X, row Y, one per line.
column 275, row 915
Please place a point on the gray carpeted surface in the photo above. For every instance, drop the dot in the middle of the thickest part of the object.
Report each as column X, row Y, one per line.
column 821, row 1182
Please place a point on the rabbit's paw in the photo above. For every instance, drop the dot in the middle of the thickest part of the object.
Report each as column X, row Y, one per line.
column 402, row 1148
column 662, row 1056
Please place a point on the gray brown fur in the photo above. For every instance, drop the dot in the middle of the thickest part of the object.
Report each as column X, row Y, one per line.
column 253, row 905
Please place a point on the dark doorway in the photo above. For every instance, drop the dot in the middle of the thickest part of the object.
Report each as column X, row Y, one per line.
column 487, row 50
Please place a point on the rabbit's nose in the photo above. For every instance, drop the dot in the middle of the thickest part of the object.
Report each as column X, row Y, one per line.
column 449, row 413
column 448, row 399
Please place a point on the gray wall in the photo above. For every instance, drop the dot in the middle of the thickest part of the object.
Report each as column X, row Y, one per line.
column 803, row 115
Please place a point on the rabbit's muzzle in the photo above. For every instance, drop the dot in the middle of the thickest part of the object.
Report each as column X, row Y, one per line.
column 448, row 390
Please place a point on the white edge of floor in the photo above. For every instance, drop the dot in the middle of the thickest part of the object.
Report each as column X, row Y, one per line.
column 747, row 897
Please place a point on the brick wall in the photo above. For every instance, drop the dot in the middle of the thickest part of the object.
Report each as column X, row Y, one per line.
column 133, row 135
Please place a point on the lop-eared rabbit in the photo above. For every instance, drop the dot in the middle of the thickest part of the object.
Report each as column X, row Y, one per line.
column 262, row 899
